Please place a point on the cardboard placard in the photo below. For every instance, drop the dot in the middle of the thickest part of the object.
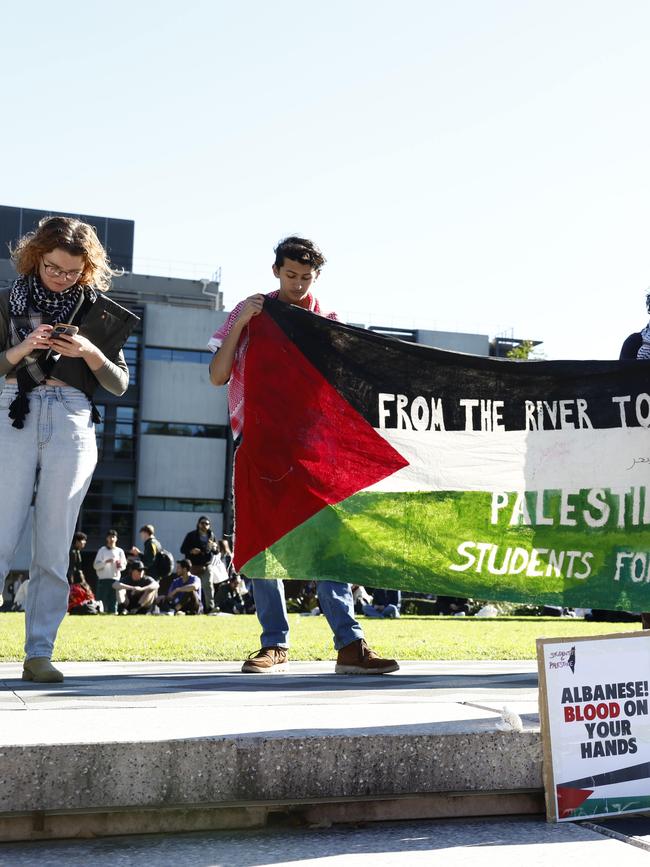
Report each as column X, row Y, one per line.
column 595, row 723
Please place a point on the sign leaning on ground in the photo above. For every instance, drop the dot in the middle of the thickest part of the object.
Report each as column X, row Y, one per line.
column 593, row 704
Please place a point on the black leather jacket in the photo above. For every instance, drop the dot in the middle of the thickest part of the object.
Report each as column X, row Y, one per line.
column 105, row 323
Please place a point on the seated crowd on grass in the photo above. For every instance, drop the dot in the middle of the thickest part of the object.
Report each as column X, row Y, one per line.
column 203, row 580
column 150, row 580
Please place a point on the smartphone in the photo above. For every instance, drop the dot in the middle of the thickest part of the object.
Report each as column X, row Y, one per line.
column 61, row 328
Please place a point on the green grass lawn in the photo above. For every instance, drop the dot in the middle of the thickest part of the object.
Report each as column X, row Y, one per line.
column 133, row 639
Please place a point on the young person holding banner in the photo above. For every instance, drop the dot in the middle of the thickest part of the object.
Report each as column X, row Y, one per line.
column 298, row 263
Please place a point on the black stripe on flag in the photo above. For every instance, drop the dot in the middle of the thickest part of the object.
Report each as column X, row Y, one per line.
column 610, row 778
column 363, row 365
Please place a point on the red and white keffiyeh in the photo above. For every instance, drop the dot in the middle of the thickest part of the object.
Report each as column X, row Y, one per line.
column 236, row 381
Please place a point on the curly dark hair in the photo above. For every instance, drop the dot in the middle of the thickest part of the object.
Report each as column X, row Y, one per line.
column 647, row 301
column 299, row 250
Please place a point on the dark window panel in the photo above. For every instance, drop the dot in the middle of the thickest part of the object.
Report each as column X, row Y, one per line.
column 123, row 448
column 98, row 224
column 155, row 353
column 178, row 506
column 154, row 504
column 208, row 505
column 171, row 504
column 93, row 501
column 123, row 524
column 119, row 243
column 92, row 525
column 31, row 218
column 164, row 428
column 189, row 355
column 154, row 427
column 192, row 356
column 9, row 229
column 123, row 492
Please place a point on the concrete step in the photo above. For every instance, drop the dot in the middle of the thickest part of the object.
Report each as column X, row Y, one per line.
column 201, row 743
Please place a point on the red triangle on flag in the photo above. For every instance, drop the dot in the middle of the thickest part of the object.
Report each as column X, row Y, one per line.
column 569, row 799
column 303, row 447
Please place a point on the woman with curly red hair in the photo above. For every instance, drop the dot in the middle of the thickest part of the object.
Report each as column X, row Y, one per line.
column 60, row 338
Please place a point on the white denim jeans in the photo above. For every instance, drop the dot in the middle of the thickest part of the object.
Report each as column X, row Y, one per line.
column 49, row 463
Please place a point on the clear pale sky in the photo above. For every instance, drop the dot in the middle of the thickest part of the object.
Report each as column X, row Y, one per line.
column 472, row 165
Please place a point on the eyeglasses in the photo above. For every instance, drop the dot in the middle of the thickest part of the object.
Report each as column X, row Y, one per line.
column 204, row 523
column 53, row 271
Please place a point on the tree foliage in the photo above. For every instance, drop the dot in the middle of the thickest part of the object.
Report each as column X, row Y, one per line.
column 522, row 351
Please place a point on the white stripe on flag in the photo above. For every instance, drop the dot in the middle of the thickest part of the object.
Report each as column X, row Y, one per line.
column 519, row 460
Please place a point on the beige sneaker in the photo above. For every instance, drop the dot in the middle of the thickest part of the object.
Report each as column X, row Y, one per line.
column 40, row 670
column 265, row 660
column 358, row 658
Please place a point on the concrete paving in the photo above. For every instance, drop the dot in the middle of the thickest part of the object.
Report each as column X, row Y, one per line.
column 444, row 843
column 204, row 739
column 121, row 702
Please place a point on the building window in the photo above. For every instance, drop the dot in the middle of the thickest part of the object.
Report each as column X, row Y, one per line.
column 108, row 505
column 99, row 431
column 178, row 429
column 193, row 356
column 174, row 504
column 130, row 350
column 124, row 432
column 91, row 518
column 116, row 433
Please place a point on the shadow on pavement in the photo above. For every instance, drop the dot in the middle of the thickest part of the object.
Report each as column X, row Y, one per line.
column 184, row 682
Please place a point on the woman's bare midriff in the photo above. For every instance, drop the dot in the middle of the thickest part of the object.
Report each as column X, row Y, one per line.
column 47, row 382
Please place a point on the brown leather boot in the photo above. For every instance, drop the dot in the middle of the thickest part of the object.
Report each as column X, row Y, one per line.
column 358, row 658
column 40, row 670
column 265, row 660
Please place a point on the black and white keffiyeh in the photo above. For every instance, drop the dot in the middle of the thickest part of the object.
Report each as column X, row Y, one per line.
column 644, row 349
column 28, row 294
column 30, row 305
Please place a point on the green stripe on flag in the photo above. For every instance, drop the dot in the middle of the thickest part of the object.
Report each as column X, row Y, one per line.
column 410, row 541
column 610, row 805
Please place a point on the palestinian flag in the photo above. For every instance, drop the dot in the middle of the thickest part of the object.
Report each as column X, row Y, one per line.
column 623, row 790
column 381, row 462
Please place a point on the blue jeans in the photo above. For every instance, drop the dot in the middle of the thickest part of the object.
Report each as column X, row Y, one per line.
column 50, row 462
column 335, row 601
column 390, row 611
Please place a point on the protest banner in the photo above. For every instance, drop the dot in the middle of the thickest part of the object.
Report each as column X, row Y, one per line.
column 397, row 465
column 593, row 705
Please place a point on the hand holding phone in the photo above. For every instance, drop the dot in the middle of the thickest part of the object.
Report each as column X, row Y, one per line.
column 64, row 329
column 67, row 341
